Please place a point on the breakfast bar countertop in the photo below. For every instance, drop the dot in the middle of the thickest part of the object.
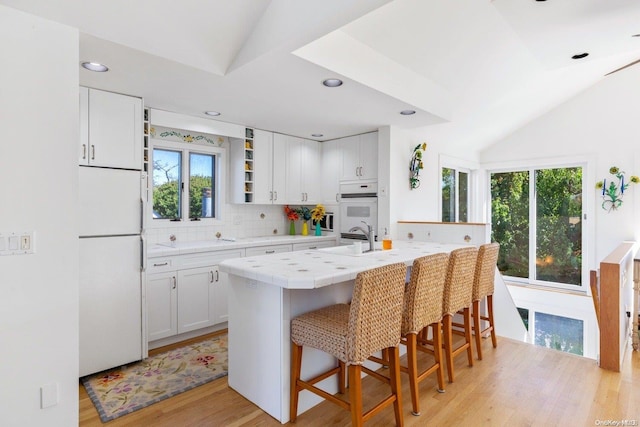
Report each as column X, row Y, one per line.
column 311, row 269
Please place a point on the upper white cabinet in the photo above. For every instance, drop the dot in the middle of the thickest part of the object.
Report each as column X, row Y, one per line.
column 269, row 159
column 303, row 171
column 359, row 157
column 331, row 171
column 110, row 129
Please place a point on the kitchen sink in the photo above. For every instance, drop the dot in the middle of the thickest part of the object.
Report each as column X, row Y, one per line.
column 350, row 251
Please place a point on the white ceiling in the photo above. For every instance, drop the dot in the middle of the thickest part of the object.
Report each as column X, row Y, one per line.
column 474, row 70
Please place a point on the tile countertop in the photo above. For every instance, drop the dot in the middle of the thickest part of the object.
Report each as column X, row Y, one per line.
column 317, row 268
column 182, row 248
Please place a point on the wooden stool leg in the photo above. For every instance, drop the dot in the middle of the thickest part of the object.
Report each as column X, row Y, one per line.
column 477, row 328
column 493, row 328
column 448, row 344
column 396, row 387
column 296, row 362
column 341, row 377
column 437, row 353
column 467, row 335
column 412, row 365
column 355, row 395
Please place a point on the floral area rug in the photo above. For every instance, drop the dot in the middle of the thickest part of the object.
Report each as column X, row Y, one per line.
column 120, row 391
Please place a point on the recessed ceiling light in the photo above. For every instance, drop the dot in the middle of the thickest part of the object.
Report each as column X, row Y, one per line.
column 212, row 113
column 95, row 66
column 317, row 135
column 332, row 82
column 580, row 55
column 407, row 112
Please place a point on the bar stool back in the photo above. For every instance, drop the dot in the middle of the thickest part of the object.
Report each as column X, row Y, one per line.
column 457, row 296
column 483, row 286
column 352, row 333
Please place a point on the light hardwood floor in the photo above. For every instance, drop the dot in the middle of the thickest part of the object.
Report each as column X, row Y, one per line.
column 516, row 384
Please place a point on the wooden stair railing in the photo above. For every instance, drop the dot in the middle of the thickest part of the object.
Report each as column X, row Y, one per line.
column 616, row 277
column 595, row 293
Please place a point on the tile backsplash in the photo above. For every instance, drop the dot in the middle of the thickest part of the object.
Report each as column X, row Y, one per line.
column 238, row 221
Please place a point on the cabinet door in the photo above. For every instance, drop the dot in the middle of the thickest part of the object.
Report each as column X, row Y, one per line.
column 294, row 166
column 279, row 169
column 220, row 287
column 311, row 164
column 331, row 169
column 115, row 130
column 368, row 153
column 83, row 156
column 262, row 164
column 195, row 298
column 350, row 158
column 162, row 306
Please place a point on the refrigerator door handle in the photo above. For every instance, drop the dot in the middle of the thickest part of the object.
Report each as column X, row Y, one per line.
column 143, row 253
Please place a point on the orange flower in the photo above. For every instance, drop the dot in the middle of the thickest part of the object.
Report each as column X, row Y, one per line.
column 291, row 214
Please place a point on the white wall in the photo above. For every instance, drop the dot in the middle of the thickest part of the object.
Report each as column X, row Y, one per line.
column 603, row 124
column 38, row 191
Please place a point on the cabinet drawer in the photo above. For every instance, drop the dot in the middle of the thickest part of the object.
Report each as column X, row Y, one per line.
column 313, row 245
column 266, row 250
column 159, row 265
column 205, row 259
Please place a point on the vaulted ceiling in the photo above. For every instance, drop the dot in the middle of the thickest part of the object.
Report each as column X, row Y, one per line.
column 473, row 70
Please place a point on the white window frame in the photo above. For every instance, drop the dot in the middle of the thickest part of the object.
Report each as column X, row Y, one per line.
column 588, row 214
column 469, row 167
column 219, row 196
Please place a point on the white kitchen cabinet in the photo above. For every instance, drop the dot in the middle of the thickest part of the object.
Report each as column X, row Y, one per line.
column 111, row 129
column 313, row 245
column 186, row 293
column 267, row 250
column 196, row 298
column 303, row 171
column 331, row 169
column 162, row 305
column 269, row 159
column 359, row 157
column 268, row 174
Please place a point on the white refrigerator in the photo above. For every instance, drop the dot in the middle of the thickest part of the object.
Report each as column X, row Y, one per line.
column 111, row 266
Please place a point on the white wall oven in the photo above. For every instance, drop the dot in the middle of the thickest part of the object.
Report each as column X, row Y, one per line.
column 358, row 204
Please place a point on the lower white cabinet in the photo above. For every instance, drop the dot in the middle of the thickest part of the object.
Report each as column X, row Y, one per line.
column 182, row 300
column 267, row 250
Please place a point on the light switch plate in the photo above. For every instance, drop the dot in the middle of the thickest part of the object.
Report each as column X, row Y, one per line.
column 17, row 242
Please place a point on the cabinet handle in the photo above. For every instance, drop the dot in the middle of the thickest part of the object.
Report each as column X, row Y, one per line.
column 313, row 247
column 84, row 151
column 302, row 197
column 270, row 195
column 160, row 264
column 270, row 252
column 175, row 282
column 275, row 195
column 211, row 277
column 93, row 152
column 306, row 197
column 217, row 276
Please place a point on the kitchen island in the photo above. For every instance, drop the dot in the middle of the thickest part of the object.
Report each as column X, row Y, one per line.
column 266, row 292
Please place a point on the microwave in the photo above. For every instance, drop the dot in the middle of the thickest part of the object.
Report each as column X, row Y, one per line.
column 327, row 223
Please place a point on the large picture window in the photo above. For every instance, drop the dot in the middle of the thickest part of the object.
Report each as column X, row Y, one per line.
column 184, row 183
column 536, row 216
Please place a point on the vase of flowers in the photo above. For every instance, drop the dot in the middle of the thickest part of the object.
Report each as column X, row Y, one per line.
column 292, row 216
column 317, row 214
column 304, row 213
column 415, row 165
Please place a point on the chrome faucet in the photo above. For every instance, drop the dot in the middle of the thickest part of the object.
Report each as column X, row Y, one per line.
column 369, row 233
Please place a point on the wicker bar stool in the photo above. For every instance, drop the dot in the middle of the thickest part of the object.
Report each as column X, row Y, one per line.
column 423, row 309
column 352, row 333
column 457, row 296
column 483, row 286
